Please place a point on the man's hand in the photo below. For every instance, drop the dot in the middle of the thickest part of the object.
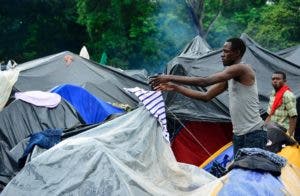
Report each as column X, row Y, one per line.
column 166, row 87
column 157, row 80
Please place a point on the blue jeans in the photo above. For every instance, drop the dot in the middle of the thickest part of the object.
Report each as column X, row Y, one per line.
column 254, row 139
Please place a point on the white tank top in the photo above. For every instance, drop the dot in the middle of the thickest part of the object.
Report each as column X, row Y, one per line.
column 244, row 107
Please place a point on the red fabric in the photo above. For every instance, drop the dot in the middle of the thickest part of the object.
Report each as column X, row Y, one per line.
column 278, row 98
column 212, row 136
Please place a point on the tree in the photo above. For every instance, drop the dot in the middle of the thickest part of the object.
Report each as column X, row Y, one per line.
column 219, row 19
column 120, row 28
column 38, row 28
column 277, row 25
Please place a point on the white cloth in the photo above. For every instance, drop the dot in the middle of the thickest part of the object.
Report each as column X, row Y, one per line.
column 154, row 102
column 84, row 53
column 7, row 79
column 39, row 98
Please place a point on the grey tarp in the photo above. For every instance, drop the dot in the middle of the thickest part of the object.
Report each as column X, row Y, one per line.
column 20, row 119
column 198, row 46
column 102, row 81
column 263, row 62
column 139, row 74
column 291, row 54
column 126, row 156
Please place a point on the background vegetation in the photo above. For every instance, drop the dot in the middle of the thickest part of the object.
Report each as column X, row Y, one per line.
column 139, row 34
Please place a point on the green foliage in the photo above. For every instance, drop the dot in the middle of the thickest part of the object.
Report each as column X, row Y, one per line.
column 277, row 26
column 139, row 33
column 134, row 33
column 38, row 28
column 119, row 28
column 234, row 18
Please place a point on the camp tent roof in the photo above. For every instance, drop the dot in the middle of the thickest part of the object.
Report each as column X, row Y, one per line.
column 264, row 63
column 20, row 119
column 198, row 46
column 291, row 54
column 102, row 81
column 115, row 158
column 186, row 108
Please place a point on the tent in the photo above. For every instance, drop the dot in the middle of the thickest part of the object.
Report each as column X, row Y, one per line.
column 198, row 46
column 20, row 119
column 125, row 156
column 102, row 81
column 291, row 54
column 206, row 123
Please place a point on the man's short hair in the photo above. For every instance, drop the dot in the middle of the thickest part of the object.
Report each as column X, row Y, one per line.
column 281, row 73
column 237, row 44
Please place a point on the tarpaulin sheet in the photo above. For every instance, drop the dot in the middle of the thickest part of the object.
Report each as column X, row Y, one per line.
column 125, row 156
column 103, row 82
column 20, row 119
column 249, row 182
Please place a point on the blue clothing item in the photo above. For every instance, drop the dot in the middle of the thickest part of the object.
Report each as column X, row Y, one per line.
column 276, row 159
column 45, row 139
column 90, row 108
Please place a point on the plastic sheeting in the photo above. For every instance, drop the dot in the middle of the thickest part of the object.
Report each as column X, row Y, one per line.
column 198, row 46
column 249, row 182
column 126, row 156
column 103, row 82
column 291, row 54
column 91, row 109
column 20, row 119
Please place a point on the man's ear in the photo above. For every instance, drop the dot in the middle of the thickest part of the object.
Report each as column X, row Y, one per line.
column 238, row 53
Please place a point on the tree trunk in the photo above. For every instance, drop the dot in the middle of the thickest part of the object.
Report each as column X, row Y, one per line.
column 196, row 8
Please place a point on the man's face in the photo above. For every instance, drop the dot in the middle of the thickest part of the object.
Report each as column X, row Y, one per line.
column 277, row 81
column 229, row 56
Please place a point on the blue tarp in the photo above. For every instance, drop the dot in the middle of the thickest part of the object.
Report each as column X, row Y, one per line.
column 91, row 109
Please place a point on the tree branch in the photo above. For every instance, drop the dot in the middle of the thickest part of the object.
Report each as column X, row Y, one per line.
column 197, row 10
column 212, row 23
column 214, row 19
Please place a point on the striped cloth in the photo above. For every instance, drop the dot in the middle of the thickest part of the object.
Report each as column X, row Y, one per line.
column 154, row 102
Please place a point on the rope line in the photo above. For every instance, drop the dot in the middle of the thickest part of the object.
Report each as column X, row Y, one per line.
column 181, row 123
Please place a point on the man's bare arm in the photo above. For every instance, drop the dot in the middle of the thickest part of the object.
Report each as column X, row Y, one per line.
column 194, row 94
column 292, row 125
column 268, row 119
column 229, row 73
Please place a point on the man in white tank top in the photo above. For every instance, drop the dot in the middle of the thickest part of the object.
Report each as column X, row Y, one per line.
column 239, row 79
